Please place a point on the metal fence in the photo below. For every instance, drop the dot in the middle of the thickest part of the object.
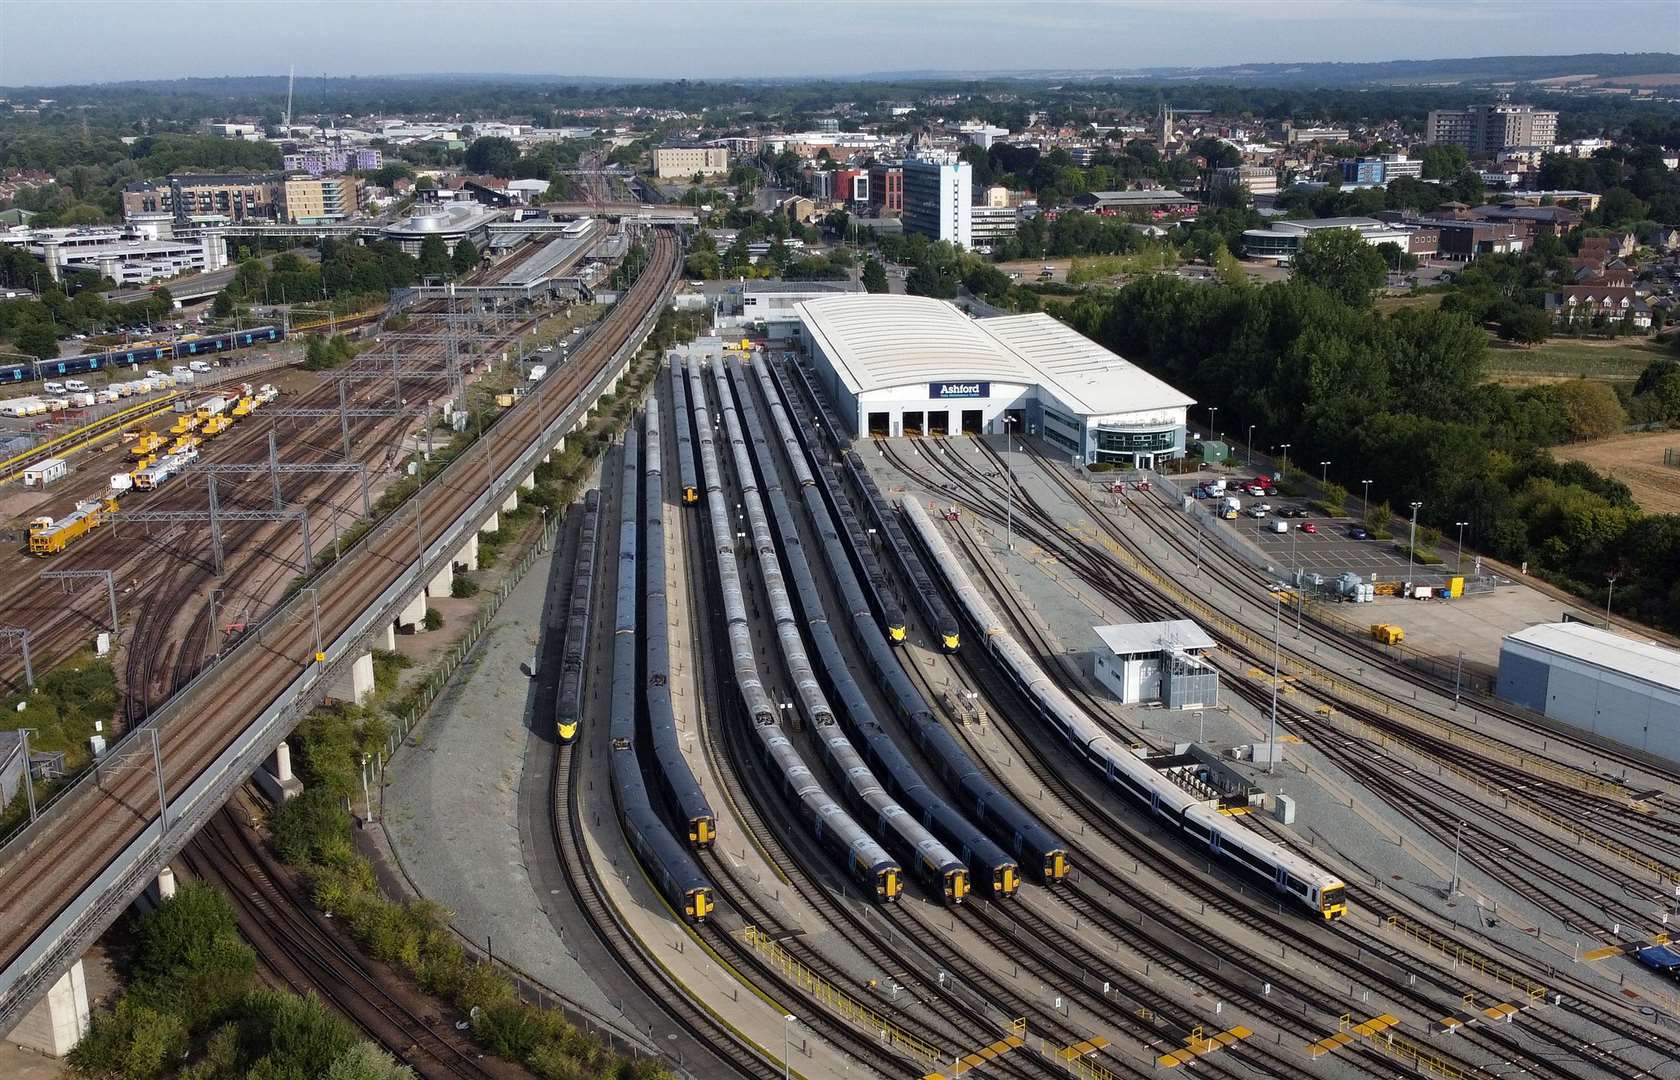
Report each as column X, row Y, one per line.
column 1671, row 457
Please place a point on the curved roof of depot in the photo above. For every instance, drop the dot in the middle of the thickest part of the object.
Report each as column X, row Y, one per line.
column 880, row 341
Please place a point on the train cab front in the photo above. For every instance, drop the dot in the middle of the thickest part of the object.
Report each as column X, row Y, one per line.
column 691, row 495
column 950, row 642
column 698, row 904
column 1332, row 903
column 566, row 730
column 895, row 633
column 701, row 832
column 887, row 885
column 956, row 886
column 1055, row 866
column 1006, row 878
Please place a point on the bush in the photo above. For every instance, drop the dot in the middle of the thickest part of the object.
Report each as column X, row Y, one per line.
column 434, row 619
column 303, row 827
column 463, row 587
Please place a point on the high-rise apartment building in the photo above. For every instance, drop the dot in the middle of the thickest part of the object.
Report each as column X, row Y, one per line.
column 314, row 199
column 240, row 197
column 1485, row 130
column 938, row 199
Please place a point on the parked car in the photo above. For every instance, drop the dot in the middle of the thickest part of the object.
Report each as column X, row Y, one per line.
column 1278, row 525
column 1257, row 511
column 1309, row 527
column 1357, row 533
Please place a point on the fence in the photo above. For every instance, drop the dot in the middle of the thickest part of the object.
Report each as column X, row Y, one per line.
column 1465, row 957
column 1671, row 457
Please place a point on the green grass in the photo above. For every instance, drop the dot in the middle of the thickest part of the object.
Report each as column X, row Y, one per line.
column 1388, row 305
column 1623, row 359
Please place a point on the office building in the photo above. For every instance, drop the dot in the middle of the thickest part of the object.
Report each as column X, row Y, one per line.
column 1380, row 170
column 994, row 223
column 681, row 162
column 1485, row 130
column 886, row 188
column 1258, row 179
column 319, row 160
column 239, row 197
column 938, row 199
column 1281, row 240
column 310, row 200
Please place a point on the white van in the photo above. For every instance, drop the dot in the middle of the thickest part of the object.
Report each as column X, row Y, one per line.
column 75, row 386
column 53, row 387
column 198, row 366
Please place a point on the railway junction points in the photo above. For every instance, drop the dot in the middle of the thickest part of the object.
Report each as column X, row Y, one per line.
column 759, row 849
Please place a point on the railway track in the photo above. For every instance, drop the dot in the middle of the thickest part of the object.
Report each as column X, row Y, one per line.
column 1124, row 592
column 106, row 814
column 299, row 950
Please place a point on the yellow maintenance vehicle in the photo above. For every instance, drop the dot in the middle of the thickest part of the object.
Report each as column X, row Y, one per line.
column 149, row 442
column 215, row 426
column 1388, row 633
column 49, row 536
column 184, row 423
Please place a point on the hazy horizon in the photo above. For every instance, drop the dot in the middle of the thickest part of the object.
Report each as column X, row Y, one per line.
column 650, row 40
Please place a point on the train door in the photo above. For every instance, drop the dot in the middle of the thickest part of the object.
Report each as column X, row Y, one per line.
column 973, row 420
column 939, row 423
column 913, row 422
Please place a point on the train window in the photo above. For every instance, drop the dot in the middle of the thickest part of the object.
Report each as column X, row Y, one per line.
column 1200, row 832
column 1296, row 885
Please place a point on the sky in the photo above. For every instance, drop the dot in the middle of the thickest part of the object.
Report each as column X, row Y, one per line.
column 47, row 42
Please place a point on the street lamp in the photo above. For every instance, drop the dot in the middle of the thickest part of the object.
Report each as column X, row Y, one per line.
column 1284, row 467
column 1366, row 507
column 1251, row 444
column 1271, row 743
column 1461, row 525
column 1411, row 542
column 787, row 1044
column 1324, row 473
column 1009, row 486
column 1213, row 410
column 1611, row 578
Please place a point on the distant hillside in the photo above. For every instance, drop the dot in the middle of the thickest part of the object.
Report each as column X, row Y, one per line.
column 1475, row 69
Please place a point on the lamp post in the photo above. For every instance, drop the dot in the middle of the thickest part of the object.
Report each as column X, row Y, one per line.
column 1009, row 485
column 1283, row 467
column 1324, row 472
column 1611, row 578
column 1365, row 508
column 1251, row 444
column 1271, row 740
column 1411, row 541
column 787, row 1044
column 1213, row 410
column 1461, row 525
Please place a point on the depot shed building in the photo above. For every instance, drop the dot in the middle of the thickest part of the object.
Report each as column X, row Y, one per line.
column 1619, row 688
column 911, row 365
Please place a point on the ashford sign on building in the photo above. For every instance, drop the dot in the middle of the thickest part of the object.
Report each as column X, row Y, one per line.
column 950, row 390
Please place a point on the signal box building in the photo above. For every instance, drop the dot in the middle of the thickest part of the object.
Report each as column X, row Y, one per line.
column 1157, row 661
column 1619, row 688
column 911, row 365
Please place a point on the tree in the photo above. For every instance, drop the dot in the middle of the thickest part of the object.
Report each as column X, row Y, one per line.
column 1340, row 262
column 1443, row 161
column 434, row 257
column 465, row 258
column 493, row 155
column 38, row 339
column 222, row 306
column 1525, row 325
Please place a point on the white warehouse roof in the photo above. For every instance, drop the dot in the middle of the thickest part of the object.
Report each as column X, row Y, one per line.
column 881, row 340
column 1083, row 374
column 878, row 341
column 1645, row 660
column 1128, row 639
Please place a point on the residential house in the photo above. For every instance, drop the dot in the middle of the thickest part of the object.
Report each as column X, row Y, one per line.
column 1584, row 304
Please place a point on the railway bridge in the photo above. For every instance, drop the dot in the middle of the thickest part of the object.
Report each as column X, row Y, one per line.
column 107, row 838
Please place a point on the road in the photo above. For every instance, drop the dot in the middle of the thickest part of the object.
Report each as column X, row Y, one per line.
column 199, row 286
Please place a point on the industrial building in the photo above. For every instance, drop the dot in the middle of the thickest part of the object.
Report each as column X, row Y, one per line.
column 898, row 365
column 771, row 307
column 1157, row 661
column 1619, row 688
column 938, row 199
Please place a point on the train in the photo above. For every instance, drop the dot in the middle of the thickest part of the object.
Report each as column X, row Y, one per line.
column 687, row 482
column 1300, row 882
column 49, row 536
column 852, row 533
column 568, row 696
column 668, row 862
column 676, row 780
column 929, row 858
column 980, row 801
column 865, row 860
column 139, row 352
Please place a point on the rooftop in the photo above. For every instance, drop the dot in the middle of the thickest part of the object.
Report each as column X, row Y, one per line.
column 1644, row 660
column 1147, row 637
column 880, row 340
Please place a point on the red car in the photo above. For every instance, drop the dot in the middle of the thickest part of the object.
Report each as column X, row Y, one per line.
column 1309, row 527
